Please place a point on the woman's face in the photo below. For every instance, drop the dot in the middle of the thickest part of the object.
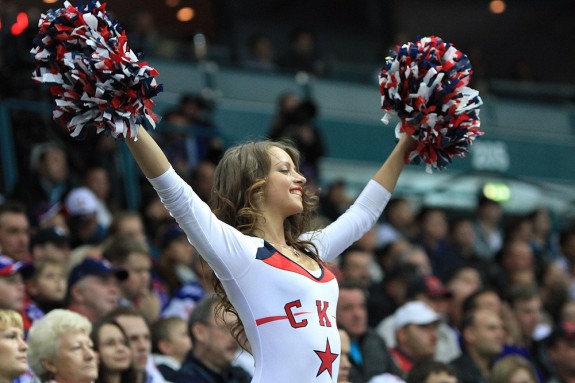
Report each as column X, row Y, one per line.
column 113, row 348
column 13, row 353
column 76, row 361
column 284, row 188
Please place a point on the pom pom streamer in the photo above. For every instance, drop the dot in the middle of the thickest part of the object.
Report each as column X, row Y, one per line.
column 425, row 85
column 96, row 79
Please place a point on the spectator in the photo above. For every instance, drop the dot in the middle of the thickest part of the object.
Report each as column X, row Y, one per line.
column 488, row 233
column 334, row 201
column 399, row 222
column 203, row 140
column 138, row 332
column 60, row 348
column 461, row 250
column 432, row 236
column 82, row 208
column 128, row 223
column 526, row 305
column 97, row 179
column 178, row 268
column 561, row 352
column 464, row 282
column 47, row 183
column 302, row 54
column 50, row 243
column 170, row 345
column 430, row 371
column 286, row 105
column 45, row 282
column 11, row 284
column 386, row 296
column 202, row 179
column 307, row 137
column 436, row 296
column 114, row 354
column 344, row 357
column 260, row 53
column 517, row 265
column 369, row 354
column 415, row 325
column 355, row 265
column 13, row 347
column 132, row 256
column 512, row 369
column 483, row 337
column 213, row 349
column 14, row 231
column 93, row 288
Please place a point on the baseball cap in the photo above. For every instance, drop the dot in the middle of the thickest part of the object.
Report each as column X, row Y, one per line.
column 55, row 235
column 562, row 330
column 429, row 285
column 97, row 267
column 414, row 312
column 8, row 266
column 81, row 201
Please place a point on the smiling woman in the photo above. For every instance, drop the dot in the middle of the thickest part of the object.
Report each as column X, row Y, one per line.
column 61, row 349
column 13, row 348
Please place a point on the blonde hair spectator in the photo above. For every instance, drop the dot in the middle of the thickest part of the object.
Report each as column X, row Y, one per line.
column 13, row 348
column 512, row 368
column 48, row 338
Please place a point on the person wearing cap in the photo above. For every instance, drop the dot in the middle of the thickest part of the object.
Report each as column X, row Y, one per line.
column 483, row 339
column 561, row 352
column 14, row 231
column 11, row 284
column 51, row 242
column 93, row 288
column 369, row 354
column 431, row 291
column 82, row 208
column 415, row 325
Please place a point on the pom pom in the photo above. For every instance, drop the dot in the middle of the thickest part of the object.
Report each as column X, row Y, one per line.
column 97, row 81
column 425, row 85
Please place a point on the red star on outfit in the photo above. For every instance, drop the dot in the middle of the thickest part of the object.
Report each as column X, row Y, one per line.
column 327, row 359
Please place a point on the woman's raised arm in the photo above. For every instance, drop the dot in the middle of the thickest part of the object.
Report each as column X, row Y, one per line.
column 148, row 154
column 389, row 172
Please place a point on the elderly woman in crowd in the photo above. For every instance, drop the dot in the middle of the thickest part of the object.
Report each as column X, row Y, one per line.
column 60, row 348
column 13, row 348
column 115, row 355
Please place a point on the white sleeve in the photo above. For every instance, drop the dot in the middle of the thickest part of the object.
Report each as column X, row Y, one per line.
column 353, row 224
column 226, row 250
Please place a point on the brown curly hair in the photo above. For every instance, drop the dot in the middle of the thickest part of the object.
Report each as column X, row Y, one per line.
column 239, row 182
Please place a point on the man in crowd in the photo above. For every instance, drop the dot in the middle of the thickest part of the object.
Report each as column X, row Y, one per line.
column 93, row 288
column 483, row 339
column 213, row 349
column 415, row 326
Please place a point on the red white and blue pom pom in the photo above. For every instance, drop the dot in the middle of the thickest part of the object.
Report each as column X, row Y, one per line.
column 425, row 85
column 97, row 80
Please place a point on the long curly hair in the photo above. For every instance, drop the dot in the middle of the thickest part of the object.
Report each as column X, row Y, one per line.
column 240, row 180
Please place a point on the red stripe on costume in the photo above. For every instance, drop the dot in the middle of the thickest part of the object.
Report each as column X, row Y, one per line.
column 275, row 318
column 281, row 262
